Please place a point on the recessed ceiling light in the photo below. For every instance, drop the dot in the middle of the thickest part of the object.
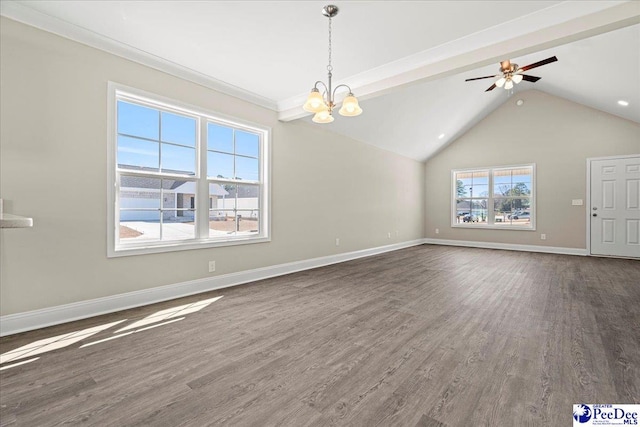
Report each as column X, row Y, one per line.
column 441, row 136
column 519, row 102
column 623, row 102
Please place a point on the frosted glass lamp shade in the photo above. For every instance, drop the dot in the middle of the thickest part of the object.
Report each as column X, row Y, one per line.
column 500, row 82
column 508, row 85
column 350, row 107
column 315, row 103
column 517, row 78
column 323, row 117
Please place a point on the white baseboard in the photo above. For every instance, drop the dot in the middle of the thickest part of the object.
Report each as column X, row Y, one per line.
column 508, row 246
column 27, row 321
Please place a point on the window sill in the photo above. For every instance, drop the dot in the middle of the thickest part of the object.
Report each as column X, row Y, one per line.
column 495, row 227
column 124, row 250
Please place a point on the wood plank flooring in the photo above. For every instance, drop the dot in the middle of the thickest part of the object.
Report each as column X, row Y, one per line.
column 425, row 336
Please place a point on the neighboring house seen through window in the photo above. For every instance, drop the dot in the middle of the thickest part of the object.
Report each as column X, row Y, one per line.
column 499, row 197
column 183, row 178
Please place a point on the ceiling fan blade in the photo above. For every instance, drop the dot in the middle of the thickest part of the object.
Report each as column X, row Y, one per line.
column 492, row 87
column 480, row 78
column 539, row 63
column 531, row 79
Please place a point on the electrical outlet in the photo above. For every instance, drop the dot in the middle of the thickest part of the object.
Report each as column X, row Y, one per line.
column 543, row 236
column 437, row 231
column 388, row 235
column 337, row 241
column 212, row 266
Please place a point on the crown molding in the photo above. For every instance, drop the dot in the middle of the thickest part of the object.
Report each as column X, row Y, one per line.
column 24, row 14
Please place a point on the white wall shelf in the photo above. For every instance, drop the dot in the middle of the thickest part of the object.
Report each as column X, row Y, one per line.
column 15, row 221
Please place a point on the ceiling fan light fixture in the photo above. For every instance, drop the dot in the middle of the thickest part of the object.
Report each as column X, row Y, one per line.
column 350, row 107
column 511, row 73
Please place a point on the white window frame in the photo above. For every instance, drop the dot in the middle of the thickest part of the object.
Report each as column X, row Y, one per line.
column 491, row 224
column 115, row 248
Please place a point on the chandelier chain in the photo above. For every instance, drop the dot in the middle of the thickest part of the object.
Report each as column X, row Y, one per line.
column 329, row 67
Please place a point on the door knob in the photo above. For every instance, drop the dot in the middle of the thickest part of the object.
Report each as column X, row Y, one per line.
column 594, row 214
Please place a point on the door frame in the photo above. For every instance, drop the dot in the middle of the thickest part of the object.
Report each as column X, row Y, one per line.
column 588, row 198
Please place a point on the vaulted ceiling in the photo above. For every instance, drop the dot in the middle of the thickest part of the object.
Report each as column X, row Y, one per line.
column 406, row 61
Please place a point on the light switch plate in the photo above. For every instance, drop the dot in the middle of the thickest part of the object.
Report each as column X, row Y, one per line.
column 576, row 202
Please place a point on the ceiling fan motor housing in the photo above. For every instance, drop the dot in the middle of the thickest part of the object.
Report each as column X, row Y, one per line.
column 508, row 67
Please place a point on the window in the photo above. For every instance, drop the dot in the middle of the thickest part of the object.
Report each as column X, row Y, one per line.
column 500, row 197
column 182, row 178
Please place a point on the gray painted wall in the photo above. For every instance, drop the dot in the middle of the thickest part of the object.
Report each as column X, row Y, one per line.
column 53, row 168
column 555, row 134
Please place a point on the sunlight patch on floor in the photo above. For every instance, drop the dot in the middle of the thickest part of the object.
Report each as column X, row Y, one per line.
column 53, row 343
column 159, row 318
column 130, row 332
column 13, row 365
column 169, row 313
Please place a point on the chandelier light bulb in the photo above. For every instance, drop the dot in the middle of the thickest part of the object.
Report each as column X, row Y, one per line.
column 350, row 107
column 315, row 102
column 323, row 117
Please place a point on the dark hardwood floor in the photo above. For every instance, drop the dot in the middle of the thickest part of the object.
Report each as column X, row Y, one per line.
column 426, row 336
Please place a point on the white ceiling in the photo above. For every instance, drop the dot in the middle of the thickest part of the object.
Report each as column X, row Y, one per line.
column 596, row 72
column 403, row 59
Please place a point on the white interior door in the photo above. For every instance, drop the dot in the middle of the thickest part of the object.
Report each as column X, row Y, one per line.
column 615, row 207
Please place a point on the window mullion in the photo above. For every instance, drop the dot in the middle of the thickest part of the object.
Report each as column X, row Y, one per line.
column 160, row 171
column 116, row 207
column 160, row 142
column 490, row 206
column 202, row 186
column 161, row 208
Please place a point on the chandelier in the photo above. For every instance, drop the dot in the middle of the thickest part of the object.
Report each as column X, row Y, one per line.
column 322, row 104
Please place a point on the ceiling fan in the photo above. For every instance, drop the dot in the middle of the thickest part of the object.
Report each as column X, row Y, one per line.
column 511, row 73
